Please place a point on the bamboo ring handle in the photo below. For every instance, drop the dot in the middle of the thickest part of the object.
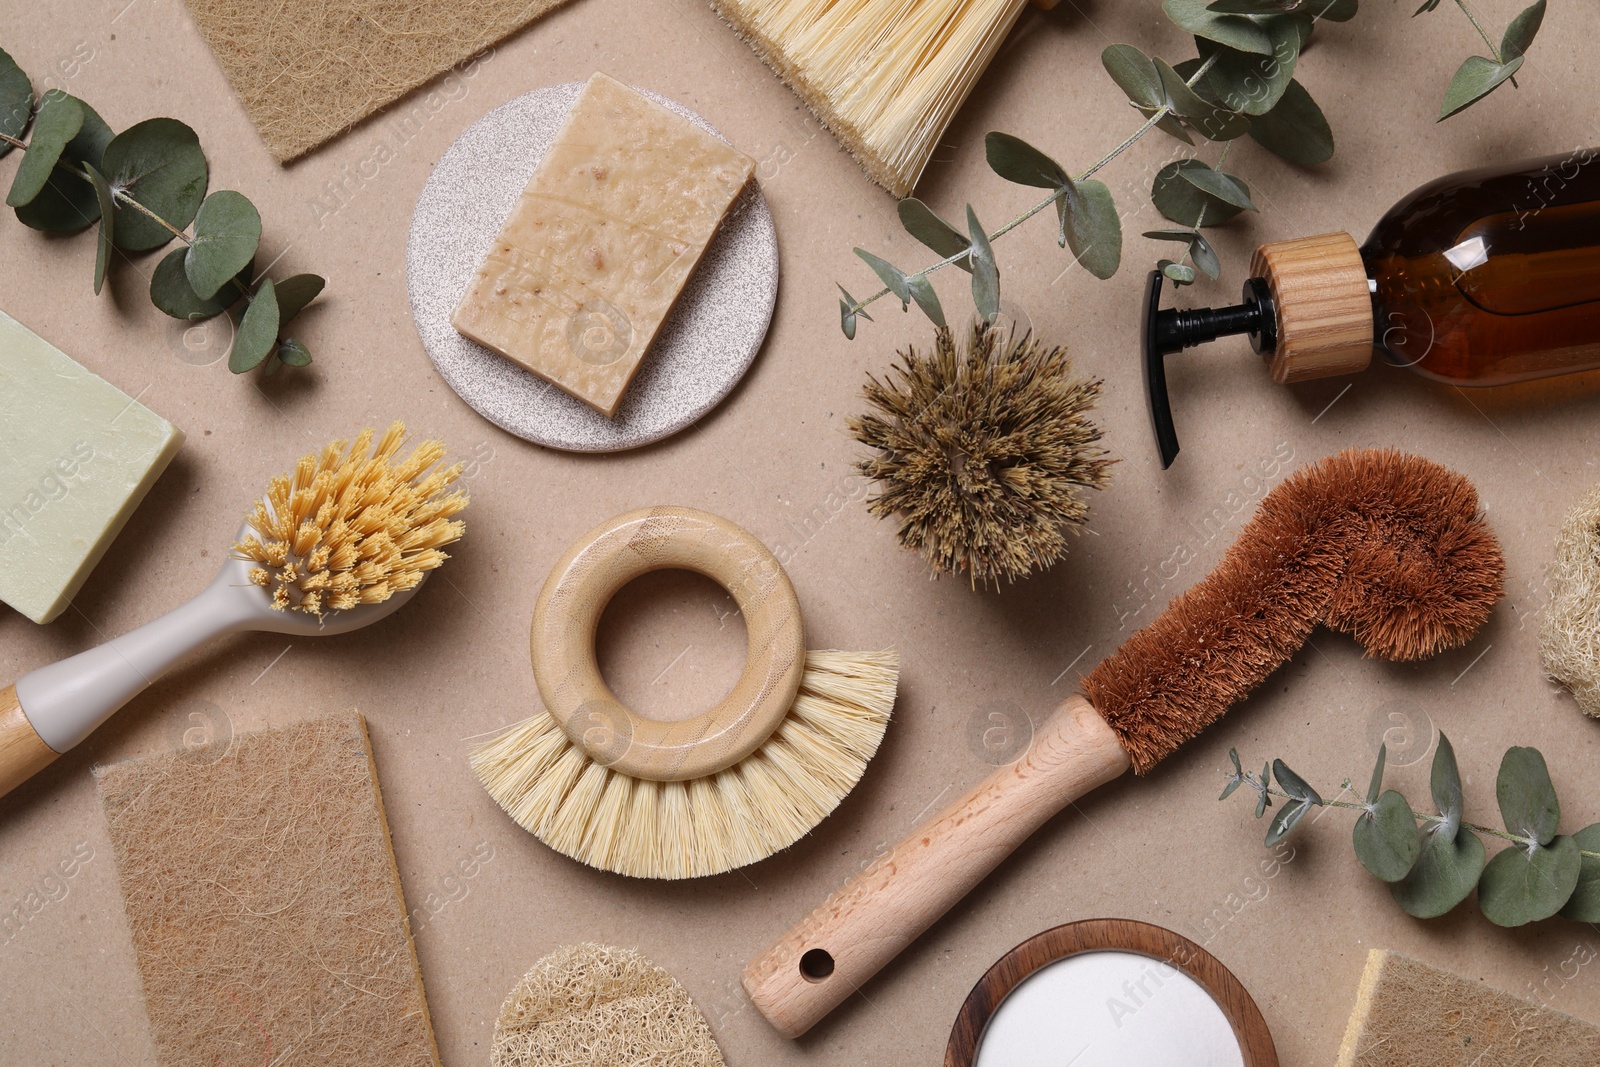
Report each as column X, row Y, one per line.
column 568, row 613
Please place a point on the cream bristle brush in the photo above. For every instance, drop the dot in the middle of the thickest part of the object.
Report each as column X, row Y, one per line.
column 886, row 76
column 1388, row 547
column 610, row 788
column 338, row 544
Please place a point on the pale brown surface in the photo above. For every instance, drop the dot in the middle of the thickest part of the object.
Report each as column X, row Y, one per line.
column 1319, row 288
column 775, row 458
column 23, row 752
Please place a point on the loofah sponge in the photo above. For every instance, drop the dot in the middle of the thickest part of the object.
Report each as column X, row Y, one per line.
column 264, row 903
column 593, row 1004
column 1569, row 636
column 307, row 72
column 1409, row 1014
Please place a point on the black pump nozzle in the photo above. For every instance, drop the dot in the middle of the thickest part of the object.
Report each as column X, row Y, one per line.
column 1175, row 329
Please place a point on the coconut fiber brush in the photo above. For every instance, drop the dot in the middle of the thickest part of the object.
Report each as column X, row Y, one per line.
column 1387, row 547
column 339, row 543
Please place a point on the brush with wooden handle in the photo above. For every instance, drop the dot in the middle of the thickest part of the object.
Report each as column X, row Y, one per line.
column 1387, row 547
column 338, row 544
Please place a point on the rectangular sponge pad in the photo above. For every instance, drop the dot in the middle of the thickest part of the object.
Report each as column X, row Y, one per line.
column 77, row 455
column 266, row 910
column 1409, row 1014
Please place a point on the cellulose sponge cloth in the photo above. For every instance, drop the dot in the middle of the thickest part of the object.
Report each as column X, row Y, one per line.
column 267, row 918
column 1409, row 1014
column 77, row 455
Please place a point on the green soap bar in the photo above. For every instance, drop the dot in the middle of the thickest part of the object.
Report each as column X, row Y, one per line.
column 77, row 455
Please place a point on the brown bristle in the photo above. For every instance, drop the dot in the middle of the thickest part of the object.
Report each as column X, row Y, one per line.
column 1388, row 547
column 983, row 451
column 363, row 526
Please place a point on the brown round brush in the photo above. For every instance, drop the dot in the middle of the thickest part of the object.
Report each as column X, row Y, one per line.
column 1387, row 547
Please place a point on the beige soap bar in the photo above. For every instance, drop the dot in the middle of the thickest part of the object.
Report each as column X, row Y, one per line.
column 601, row 242
column 77, row 455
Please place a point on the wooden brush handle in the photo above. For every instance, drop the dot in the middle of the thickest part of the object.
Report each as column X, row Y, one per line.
column 23, row 753
column 883, row 909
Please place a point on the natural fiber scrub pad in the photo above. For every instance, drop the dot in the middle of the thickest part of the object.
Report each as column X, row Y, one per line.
column 593, row 1004
column 1569, row 636
column 266, row 911
column 308, row 72
column 1409, row 1014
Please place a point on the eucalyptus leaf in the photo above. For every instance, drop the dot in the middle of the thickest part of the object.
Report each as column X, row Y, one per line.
column 1235, row 31
column 102, row 252
column 1181, row 236
column 1523, row 884
column 922, row 223
column 298, row 290
column 1293, row 784
column 1584, row 904
column 1204, row 117
column 1520, row 33
column 1216, row 183
column 1184, row 202
column 1386, row 839
column 159, row 164
column 172, row 294
column 847, row 320
column 1476, row 78
column 1252, row 7
column 16, row 100
column 1168, row 124
column 891, row 276
column 1286, row 820
column 985, row 275
column 292, row 353
column 1233, row 783
column 1263, row 802
column 1332, row 10
column 1092, row 227
column 58, row 121
column 1135, row 74
column 1295, row 129
column 1017, row 161
column 1445, row 783
column 1177, row 273
column 1205, row 257
column 227, row 231
column 1528, row 803
column 1445, row 873
column 69, row 204
column 1376, row 785
column 1249, row 82
column 257, row 335
column 1427, row 5
column 928, row 300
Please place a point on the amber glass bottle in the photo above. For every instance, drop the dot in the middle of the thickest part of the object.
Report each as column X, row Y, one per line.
column 1492, row 276
column 1485, row 277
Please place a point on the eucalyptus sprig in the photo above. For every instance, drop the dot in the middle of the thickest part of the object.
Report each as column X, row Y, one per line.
column 1478, row 76
column 1432, row 867
column 1241, row 83
column 145, row 187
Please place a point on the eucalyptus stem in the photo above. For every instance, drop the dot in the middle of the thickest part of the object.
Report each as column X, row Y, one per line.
column 1149, row 124
column 121, row 196
column 1422, row 815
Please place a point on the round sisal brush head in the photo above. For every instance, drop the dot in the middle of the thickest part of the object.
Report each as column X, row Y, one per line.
column 687, row 829
column 1390, row 548
column 353, row 525
column 984, row 450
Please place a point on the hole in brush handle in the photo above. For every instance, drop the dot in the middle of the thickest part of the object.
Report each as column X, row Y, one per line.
column 816, row 964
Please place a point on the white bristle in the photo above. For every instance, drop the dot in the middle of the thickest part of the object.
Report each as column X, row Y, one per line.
column 886, row 76
column 763, row 803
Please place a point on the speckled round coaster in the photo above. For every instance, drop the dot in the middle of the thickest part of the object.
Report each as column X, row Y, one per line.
column 703, row 349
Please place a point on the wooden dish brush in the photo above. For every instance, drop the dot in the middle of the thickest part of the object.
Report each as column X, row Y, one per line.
column 886, row 76
column 339, row 543
column 608, row 787
column 1387, row 547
